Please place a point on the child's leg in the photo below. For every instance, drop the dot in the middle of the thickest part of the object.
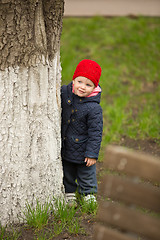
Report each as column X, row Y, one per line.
column 86, row 178
column 69, row 176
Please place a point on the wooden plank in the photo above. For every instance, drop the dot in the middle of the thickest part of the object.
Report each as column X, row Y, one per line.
column 103, row 233
column 123, row 189
column 129, row 220
column 134, row 163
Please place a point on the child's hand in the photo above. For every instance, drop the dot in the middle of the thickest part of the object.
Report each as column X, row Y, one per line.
column 90, row 161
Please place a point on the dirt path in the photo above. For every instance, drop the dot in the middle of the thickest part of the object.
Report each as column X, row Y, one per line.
column 112, row 7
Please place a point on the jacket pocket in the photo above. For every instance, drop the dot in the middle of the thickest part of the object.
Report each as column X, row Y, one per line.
column 79, row 139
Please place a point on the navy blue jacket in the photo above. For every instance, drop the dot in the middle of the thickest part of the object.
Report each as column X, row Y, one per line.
column 82, row 125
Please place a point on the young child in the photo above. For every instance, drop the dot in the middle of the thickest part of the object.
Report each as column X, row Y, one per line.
column 82, row 125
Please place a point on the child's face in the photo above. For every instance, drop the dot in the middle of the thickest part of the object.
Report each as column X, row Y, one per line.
column 83, row 86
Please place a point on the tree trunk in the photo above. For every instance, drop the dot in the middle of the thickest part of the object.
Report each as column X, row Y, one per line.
column 30, row 111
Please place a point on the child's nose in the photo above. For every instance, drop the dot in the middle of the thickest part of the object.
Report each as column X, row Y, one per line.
column 83, row 86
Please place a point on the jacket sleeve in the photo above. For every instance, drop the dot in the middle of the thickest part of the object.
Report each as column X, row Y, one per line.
column 62, row 92
column 95, row 128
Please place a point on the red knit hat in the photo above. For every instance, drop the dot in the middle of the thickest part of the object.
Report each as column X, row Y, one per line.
column 89, row 69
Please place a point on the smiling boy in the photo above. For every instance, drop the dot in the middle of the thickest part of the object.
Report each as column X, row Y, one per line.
column 83, row 86
column 82, row 125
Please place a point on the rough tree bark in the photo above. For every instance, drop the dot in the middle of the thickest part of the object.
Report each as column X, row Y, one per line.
column 30, row 73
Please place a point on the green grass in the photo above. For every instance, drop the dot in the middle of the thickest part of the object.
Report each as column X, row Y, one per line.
column 48, row 220
column 9, row 233
column 37, row 217
column 58, row 216
column 88, row 207
column 128, row 50
column 64, row 218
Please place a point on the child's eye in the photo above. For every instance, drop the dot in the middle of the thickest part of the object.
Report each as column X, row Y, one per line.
column 79, row 81
column 88, row 85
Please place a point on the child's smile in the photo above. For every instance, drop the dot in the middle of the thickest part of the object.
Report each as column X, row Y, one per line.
column 83, row 86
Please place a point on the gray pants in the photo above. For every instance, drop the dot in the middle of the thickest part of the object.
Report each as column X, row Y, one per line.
column 79, row 177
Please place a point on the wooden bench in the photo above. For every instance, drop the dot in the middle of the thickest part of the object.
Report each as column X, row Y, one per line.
column 133, row 187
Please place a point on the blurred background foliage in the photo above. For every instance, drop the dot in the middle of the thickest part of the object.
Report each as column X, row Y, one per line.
column 128, row 50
